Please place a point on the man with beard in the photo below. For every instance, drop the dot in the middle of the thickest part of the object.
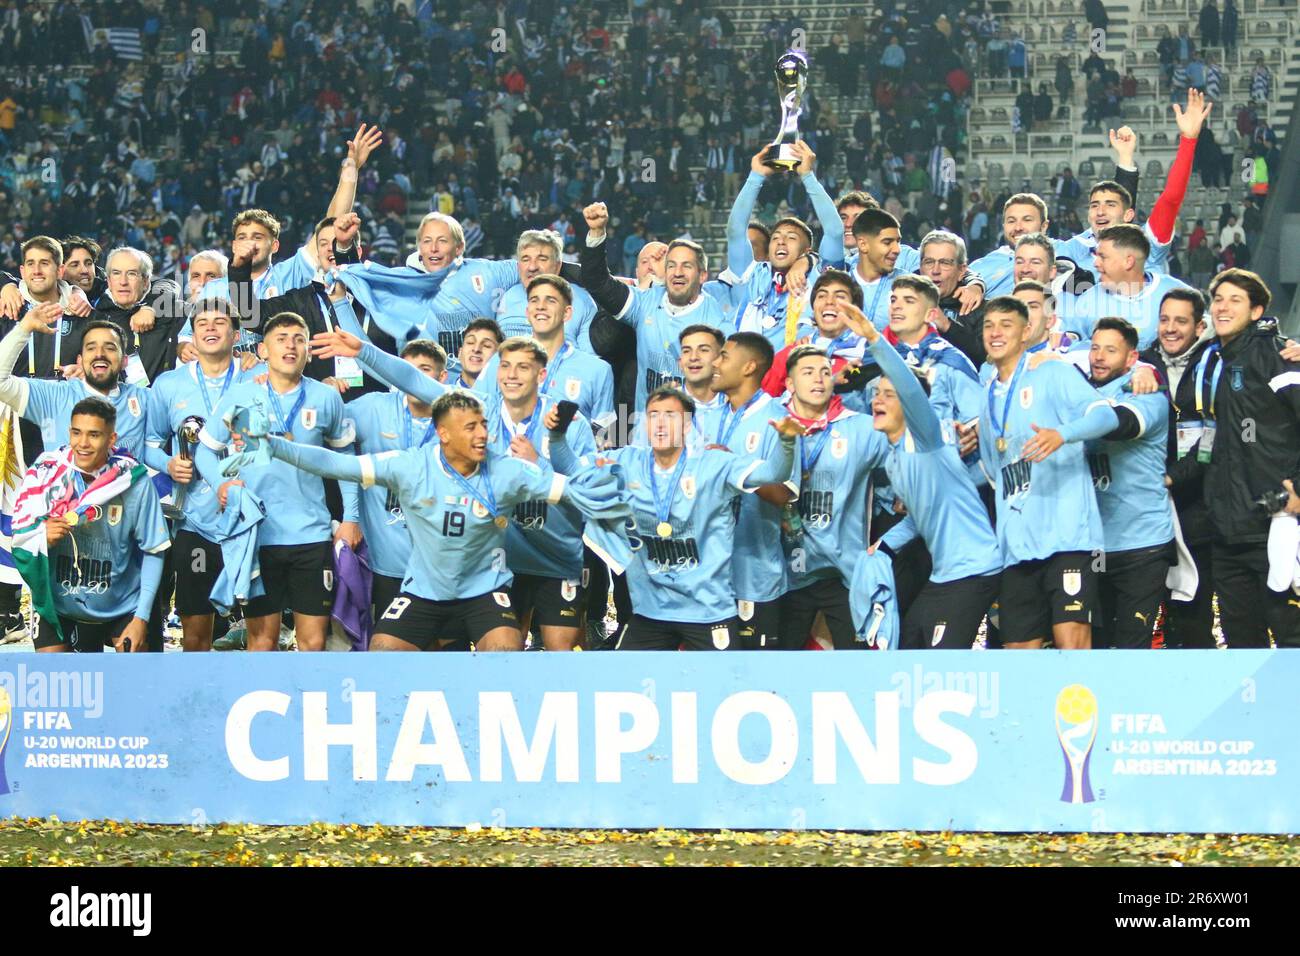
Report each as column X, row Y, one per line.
column 538, row 253
column 658, row 314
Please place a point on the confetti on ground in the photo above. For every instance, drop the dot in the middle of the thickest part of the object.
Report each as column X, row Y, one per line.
column 54, row 842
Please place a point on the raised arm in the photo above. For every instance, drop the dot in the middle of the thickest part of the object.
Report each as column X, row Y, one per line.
column 832, row 244
column 739, row 252
column 1164, row 214
column 774, row 471
column 606, row 291
column 14, row 391
column 921, row 420
column 359, row 150
column 397, row 372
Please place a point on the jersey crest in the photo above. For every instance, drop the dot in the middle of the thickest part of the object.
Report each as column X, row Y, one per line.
column 572, row 389
column 114, row 515
column 308, row 418
column 1026, row 396
column 133, row 405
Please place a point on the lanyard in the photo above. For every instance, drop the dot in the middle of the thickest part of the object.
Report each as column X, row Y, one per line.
column 488, row 500
column 875, row 301
column 527, row 427
column 1205, row 396
column 202, row 381
column 1001, row 427
column 553, row 371
column 328, row 314
column 58, row 350
column 808, row 461
column 408, row 423
column 664, row 505
column 731, row 418
column 286, row 423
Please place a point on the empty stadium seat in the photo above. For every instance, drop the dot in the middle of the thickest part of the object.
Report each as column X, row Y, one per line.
column 1018, row 172
column 1087, row 170
column 1154, row 170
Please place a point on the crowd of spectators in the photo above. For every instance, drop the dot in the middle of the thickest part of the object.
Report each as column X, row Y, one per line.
column 507, row 114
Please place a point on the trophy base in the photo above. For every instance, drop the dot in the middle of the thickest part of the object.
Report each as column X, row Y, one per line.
column 780, row 156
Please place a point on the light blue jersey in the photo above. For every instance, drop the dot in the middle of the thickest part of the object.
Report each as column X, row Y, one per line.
column 573, row 375
column 1129, row 476
column 836, row 464
column 1081, row 248
column 383, row 422
column 177, row 395
column 758, row 565
column 1048, row 507
column 1079, row 314
column 458, row 551
column 96, row 567
column 875, row 296
column 472, row 288
column 49, row 404
column 313, row 414
column 769, row 309
column 684, row 574
column 658, row 325
column 909, row 259
column 997, row 269
column 543, row 539
column 512, row 316
column 928, row 475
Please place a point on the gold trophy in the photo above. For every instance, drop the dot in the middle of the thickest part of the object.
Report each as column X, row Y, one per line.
column 791, row 80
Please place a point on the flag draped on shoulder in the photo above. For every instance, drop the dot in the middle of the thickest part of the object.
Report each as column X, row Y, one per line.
column 49, row 490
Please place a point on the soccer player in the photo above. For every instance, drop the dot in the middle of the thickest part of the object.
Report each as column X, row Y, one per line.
column 833, row 289
column 49, row 404
column 384, row 422
column 684, row 527
column 700, row 347
column 538, row 253
column 457, row 499
column 1110, row 203
column 740, row 425
column 1251, row 445
column 1180, row 344
column 1126, row 288
column 1022, row 213
column 190, row 394
column 1042, row 335
column 1031, row 433
column 1128, row 473
column 769, row 307
column 877, row 235
column 942, row 506
column 294, row 551
column 853, row 204
column 206, row 266
column 477, row 346
column 658, row 314
column 828, row 530
column 42, row 259
column 572, row 374
column 544, row 546
column 105, row 558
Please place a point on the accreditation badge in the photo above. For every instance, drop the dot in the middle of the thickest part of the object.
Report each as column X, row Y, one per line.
column 347, row 369
column 1189, row 433
column 1205, row 450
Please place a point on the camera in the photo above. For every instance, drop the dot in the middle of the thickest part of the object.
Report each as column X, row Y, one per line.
column 1272, row 502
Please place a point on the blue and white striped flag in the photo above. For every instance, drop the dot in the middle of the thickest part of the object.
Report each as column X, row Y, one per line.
column 125, row 41
column 12, row 467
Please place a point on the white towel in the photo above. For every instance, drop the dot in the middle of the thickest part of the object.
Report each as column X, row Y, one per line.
column 1183, row 578
column 1284, row 553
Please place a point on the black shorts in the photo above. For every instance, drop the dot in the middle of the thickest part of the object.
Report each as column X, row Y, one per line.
column 198, row 564
column 297, row 577
column 647, row 634
column 799, row 610
column 1035, row 595
column 555, row 602
column 947, row 616
column 83, row 637
column 424, row 623
column 382, row 591
column 1131, row 589
column 760, row 624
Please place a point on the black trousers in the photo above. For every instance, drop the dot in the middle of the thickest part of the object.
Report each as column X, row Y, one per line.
column 799, row 610
column 1132, row 588
column 1190, row 624
column 1248, row 610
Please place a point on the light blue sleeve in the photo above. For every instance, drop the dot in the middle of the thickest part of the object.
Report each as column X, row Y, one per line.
column 43, row 400
column 563, row 458
column 917, row 413
column 967, row 394
column 602, row 399
column 486, row 383
column 501, row 273
column 340, row 433
column 151, row 569
column 401, row 374
column 155, row 437
column 770, row 471
column 326, row 463
column 1087, row 415
column 350, row 491
column 832, row 244
column 739, row 252
column 900, row 534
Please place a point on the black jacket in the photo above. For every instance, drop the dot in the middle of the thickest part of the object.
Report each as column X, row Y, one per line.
column 1187, row 473
column 157, row 347
column 312, row 303
column 1257, row 442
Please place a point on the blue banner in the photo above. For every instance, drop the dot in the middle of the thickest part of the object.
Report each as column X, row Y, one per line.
column 1200, row 741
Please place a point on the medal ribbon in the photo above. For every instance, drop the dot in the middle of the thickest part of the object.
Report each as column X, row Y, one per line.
column 1001, row 428
column 488, row 500
column 286, row 423
column 202, row 381
column 408, row 424
column 731, row 418
column 664, row 505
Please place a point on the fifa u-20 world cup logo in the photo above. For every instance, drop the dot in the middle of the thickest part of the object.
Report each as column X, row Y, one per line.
column 1076, row 729
column 6, row 725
